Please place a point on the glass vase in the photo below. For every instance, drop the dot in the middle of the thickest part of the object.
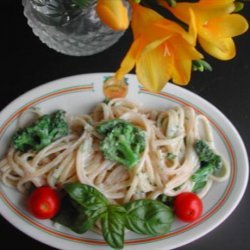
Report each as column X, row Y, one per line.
column 69, row 28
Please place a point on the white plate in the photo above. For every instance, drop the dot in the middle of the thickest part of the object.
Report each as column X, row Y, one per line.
column 78, row 94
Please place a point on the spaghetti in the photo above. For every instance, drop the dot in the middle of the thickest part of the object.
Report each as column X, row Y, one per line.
column 77, row 157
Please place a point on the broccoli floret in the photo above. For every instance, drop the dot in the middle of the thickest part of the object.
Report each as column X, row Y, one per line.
column 206, row 155
column 42, row 132
column 209, row 163
column 122, row 142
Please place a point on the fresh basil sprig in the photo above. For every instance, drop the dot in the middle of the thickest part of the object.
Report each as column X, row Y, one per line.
column 92, row 205
column 148, row 217
column 84, row 205
column 81, row 207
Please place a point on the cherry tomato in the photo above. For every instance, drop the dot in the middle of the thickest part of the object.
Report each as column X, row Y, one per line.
column 188, row 206
column 44, row 202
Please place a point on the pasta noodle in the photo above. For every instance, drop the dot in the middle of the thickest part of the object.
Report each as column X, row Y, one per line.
column 77, row 157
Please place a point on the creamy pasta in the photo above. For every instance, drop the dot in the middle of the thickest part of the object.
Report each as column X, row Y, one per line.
column 77, row 157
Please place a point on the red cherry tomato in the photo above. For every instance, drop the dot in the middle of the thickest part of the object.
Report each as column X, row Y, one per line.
column 188, row 206
column 44, row 203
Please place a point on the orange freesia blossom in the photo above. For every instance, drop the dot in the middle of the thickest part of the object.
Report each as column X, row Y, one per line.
column 215, row 24
column 161, row 50
column 113, row 13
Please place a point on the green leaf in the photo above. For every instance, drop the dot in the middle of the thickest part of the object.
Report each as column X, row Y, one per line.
column 113, row 226
column 94, row 202
column 206, row 65
column 201, row 65
column 148, row 217
column 73, row 216
column 238, row 6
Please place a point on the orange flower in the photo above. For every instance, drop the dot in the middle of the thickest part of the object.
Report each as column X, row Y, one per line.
column 215, row 25
column 113, row 13
column 161, row 50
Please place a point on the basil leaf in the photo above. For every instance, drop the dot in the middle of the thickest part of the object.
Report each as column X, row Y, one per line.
column 148, row 217
column 89, row 198
column 72, row 216
column 113, row 226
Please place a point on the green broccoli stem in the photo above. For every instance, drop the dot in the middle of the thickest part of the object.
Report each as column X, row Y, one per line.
column 203, row 173
column 209, row 163
column 130, row 158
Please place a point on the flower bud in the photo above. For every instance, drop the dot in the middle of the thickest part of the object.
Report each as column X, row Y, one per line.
column 113, row 13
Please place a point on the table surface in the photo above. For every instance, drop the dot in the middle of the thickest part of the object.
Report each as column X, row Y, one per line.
column 31, row 63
